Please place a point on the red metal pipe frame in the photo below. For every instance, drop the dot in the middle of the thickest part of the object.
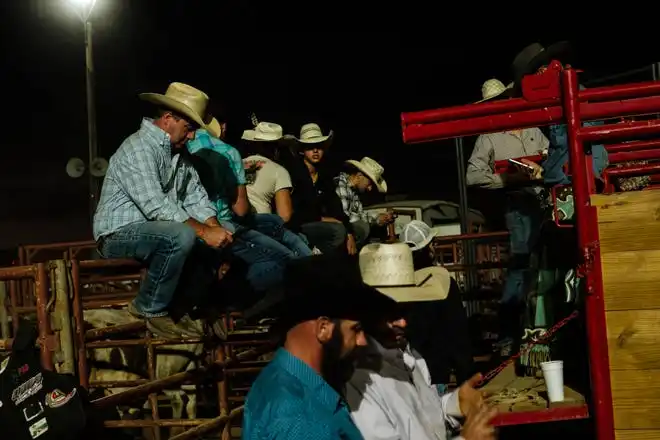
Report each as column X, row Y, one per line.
column 587, row 237
column 632, row 146
column 574, row 112
column 595, row 94
column 433, row 125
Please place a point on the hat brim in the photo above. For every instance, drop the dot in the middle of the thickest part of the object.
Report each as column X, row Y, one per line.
column 506, row 93
column 214, row 128
column 366, row 303
column 381, row 187
column 433, row 284
column 251, row 136
column 170, row 104
column 321, row 141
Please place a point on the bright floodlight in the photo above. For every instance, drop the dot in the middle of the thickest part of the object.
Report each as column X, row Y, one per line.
column 83, row 3
column 83, row 8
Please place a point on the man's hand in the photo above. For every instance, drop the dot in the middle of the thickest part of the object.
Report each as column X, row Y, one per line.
column 212, row 221
column 537, row 173
column 329, row 220
column 351, row 245
column 217, row 236
column 469, row 398
column 385, row 218
column 478, row 424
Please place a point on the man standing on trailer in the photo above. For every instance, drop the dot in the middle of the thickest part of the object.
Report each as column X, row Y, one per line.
column 153, row 207
column 523, row 210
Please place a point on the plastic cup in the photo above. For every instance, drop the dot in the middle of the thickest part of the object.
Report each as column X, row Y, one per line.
column 553, row 373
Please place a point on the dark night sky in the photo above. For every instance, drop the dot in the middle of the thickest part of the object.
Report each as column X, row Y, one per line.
column 343, row 75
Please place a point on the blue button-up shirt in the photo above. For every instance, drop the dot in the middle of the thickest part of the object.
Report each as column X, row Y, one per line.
column 203, row 140
column 144, row 182
column 289, row 400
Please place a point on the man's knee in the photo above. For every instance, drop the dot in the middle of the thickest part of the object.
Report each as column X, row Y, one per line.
column 362, row 230
column 338, row 233
column 182, row 237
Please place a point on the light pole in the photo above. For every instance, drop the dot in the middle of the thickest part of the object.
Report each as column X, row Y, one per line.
column 84, row 9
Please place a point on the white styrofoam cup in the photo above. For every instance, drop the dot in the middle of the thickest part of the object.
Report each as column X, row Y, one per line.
column 553, row 373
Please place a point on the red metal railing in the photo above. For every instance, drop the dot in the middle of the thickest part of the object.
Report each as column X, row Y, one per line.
column 572, row 107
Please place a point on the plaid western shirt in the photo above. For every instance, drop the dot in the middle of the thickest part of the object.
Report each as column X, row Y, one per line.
column 145, row 183
column 350, row 201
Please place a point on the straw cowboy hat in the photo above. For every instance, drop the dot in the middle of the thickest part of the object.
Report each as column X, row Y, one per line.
column 389, row 268
column 188, row 102
column 493, row 88
column 373, row 170
column 311, row 136
column 264, row 132
column 418, row 234
column 532, row 57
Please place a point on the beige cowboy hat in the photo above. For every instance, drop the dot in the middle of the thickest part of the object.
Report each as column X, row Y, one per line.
column 311, row 135
column 188, row 102
column 264, row 132
column 390, row 269
column 493, row 88
column 373, row 170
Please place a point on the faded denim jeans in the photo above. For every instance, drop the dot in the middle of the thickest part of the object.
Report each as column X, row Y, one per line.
column 523, row 228
column 265, row 257
column 272, row 225
column 327, row 237
column 163, row 246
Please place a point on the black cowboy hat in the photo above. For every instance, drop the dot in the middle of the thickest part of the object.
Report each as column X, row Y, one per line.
column 323, row 285
column 534, row 56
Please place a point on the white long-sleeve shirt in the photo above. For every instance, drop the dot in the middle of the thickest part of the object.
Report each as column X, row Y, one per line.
column 391, row 397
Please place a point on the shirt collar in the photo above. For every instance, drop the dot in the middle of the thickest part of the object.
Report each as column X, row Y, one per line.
column 374, row 354
column 344, row 179
column 309, row 378
column 154, row 133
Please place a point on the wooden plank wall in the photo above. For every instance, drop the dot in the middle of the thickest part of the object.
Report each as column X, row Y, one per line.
column 629, row 228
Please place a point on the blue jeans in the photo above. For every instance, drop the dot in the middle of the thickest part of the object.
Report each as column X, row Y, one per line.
column 523, row 229
column 272, row 225
column 264, row 256
column 164, row 247
column 328, row 237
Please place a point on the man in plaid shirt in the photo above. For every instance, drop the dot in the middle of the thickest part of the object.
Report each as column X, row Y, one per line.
column 153, row 208
column 361, row 177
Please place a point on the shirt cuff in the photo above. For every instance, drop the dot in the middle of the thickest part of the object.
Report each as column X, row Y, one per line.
column 452, row 405
column 181, row 215
column 203, row 214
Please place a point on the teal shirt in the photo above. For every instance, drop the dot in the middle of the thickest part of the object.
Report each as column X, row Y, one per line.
column 289, row 400
column 232, row 163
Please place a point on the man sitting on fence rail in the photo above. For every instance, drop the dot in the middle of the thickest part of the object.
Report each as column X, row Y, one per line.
column 322, row 310
column 153, row 208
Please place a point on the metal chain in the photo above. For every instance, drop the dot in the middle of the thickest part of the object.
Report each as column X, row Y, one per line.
column 546, row 336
